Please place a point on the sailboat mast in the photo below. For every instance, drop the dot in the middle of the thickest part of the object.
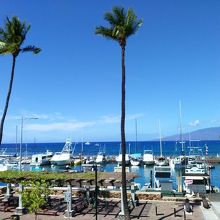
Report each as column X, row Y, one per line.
column 136, row 135
column 161, row 153
column 16, row 140
column 181, row 128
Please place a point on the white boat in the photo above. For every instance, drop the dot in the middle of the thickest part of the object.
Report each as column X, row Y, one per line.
column 196, row 178
column 135, row 159
column 162, row 178
column 197, row 174
column 178, row 162
column 100, row 158
column 64, row 157
column 89, row 160
column 161, row 160
column 148, row 157
column 119, row 159
column 41, row 159
column 134, row 162
column 5, row 165
column 196, row 167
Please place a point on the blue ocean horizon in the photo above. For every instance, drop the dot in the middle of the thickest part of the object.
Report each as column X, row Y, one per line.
column 169, row 148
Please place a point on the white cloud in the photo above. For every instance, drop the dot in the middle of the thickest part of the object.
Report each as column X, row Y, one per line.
column 194, row 123
column 58, row 126
column 116, row 119
column 109, row 119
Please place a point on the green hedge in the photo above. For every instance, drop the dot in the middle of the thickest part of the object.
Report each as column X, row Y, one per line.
column 17, row 176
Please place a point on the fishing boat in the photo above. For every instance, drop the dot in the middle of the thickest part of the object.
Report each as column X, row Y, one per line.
column 41, row 159
column 162, row 178
column 64, row 157
column 197, row 174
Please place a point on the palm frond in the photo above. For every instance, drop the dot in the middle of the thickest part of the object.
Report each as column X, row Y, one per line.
column 106, row 32
column 13, row 35
column 6, row 49
column 110, row 18
column 120, row 15
column 122, row 24
column 32, row 49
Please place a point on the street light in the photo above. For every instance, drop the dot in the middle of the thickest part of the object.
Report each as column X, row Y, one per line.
column 22, row 124
column 96, row 190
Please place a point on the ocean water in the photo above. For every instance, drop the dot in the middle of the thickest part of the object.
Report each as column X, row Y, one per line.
column 169, row 148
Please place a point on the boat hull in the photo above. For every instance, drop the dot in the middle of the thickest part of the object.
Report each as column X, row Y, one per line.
column 61, row 162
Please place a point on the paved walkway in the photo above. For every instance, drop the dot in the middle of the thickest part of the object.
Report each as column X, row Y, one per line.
column 165, row 210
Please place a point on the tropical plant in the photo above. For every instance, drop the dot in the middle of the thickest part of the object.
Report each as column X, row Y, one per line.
column 122, row 25
column 12, row 37
column 35, row 195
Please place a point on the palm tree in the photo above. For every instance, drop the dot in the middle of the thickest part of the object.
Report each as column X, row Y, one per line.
column 122, row 24
column 12, row 37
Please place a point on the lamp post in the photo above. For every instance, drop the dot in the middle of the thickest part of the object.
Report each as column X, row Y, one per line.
column 22, row 125
column 96, row 190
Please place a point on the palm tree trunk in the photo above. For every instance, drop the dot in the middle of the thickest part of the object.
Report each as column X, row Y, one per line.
column 123, row 143
column 7, row 99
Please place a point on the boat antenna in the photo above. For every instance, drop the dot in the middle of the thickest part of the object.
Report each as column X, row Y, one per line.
column 181, row 128
column 161, row 153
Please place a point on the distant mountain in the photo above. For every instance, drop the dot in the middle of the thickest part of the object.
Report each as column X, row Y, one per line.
column 201, row 134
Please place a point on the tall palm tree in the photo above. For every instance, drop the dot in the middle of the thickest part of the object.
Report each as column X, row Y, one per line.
column 12, row 37
column 122, row 24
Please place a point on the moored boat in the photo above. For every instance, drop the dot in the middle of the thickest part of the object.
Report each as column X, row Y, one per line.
column 41, row 159
column 100, row 158
column 148, row 157
column 162, row 178
column 64, row 157
column 119, row 159
column 5, row 165
column 135, row 159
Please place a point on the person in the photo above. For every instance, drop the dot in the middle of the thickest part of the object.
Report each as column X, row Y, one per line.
column 187, row 206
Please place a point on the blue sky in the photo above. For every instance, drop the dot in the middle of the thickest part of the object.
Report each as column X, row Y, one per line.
column 73, row 85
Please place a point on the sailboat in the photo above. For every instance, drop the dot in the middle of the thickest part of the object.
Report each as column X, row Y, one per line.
column 179, row 161
column 100, row 156
column 161, row 160
column 135, row 159
column 119, row 158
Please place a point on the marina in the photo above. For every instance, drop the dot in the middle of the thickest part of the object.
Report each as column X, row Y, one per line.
column 109, row 160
